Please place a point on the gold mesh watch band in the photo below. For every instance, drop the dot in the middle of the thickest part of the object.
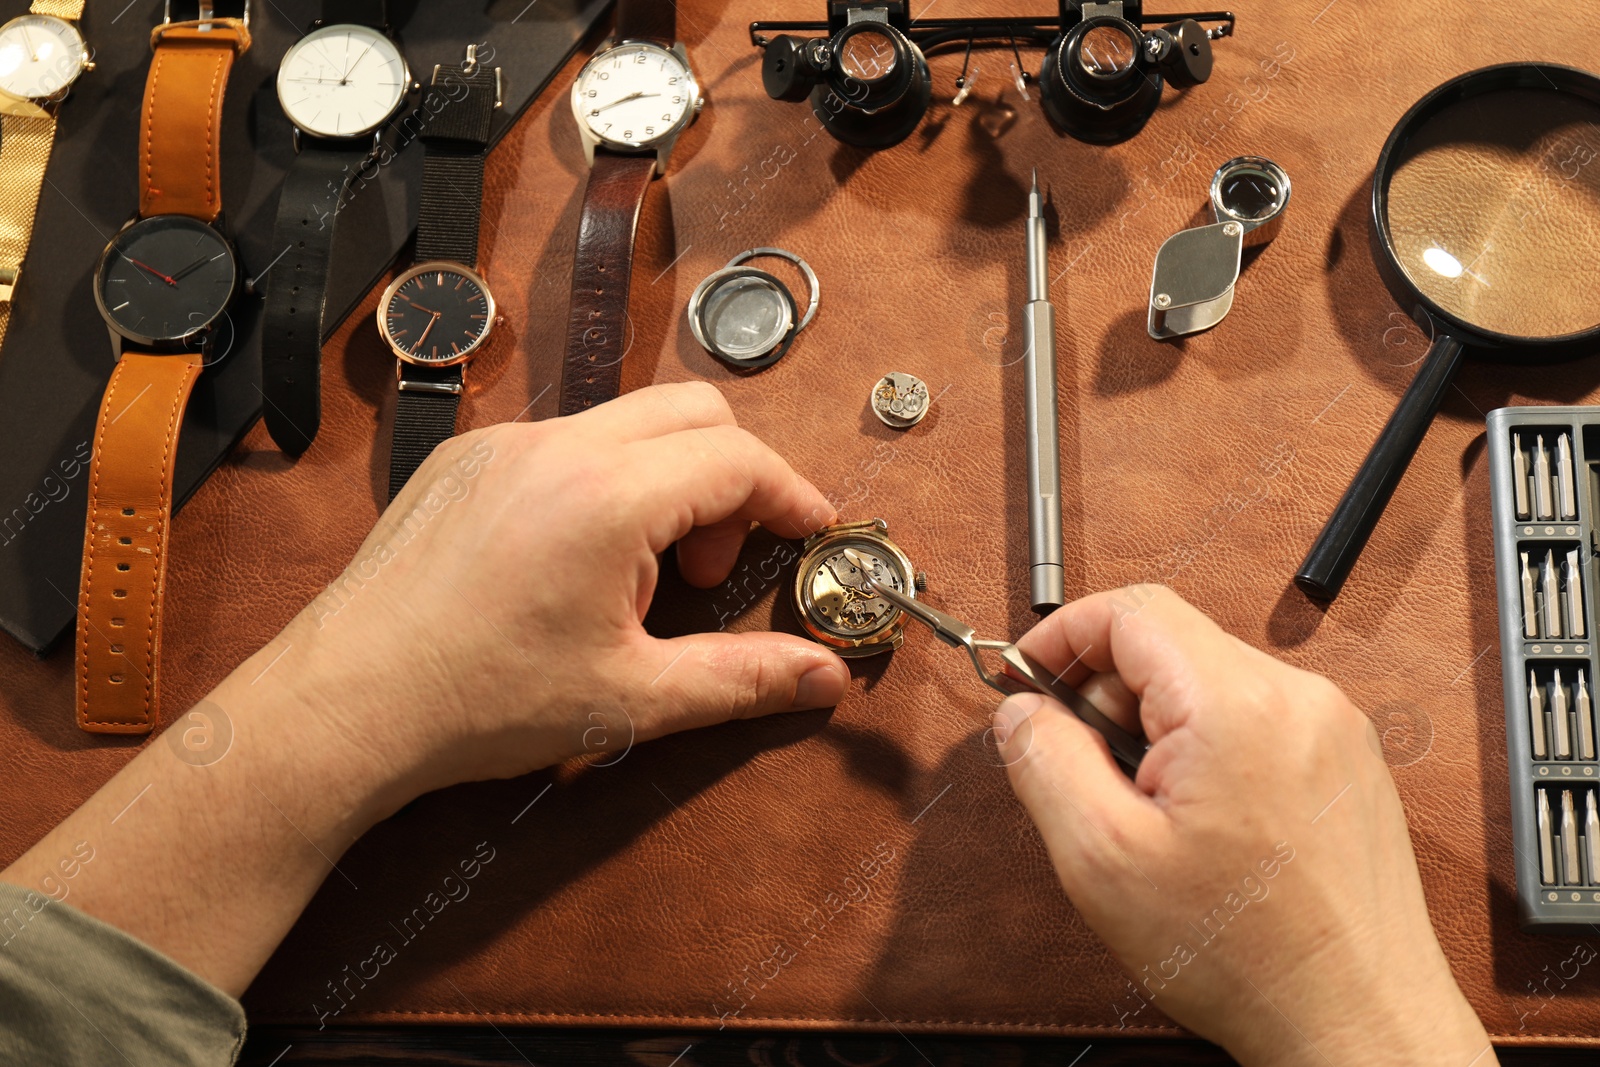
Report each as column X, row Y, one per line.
column 24, row 150
column 61, row 9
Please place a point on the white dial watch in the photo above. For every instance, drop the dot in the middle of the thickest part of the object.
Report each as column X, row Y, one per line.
column 342, row 81
column 636, row 96
column 41, row 55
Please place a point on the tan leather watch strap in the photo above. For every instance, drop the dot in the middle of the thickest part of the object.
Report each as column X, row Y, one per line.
column 180, row 127
column 597, row 319
column 125, row 540
column 25, row 142
column 647, row 20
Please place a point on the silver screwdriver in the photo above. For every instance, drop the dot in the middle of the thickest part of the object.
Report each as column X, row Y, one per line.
column 1558, row 715
column 1544, row 505
column 1585, row 711
column 1547, row 862
column 1047, row 588
column 1536, row 717
column 1530, row 610
column 1550, row 590
column 1519, row 477
column 1572, row 873
column 1565, row 485
column 1591, row 831
column 1575, row 627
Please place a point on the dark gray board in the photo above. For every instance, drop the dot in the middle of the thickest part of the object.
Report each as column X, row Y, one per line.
column 57, row 355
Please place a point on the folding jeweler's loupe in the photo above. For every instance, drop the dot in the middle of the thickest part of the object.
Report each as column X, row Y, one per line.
column 746, row 317
column 1191, row 288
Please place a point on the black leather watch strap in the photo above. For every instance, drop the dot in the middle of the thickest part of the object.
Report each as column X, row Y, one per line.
column 647, row 20
column 297, row 284
column 372, row 13
column 459, row 108
column 424, row 418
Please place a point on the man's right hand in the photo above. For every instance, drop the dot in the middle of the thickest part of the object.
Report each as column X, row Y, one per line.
column 1256, row 879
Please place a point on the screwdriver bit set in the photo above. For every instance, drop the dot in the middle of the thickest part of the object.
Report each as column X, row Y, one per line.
column 1544, row 476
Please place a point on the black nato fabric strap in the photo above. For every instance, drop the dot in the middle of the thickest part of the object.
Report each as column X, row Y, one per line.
column 423, row 418
column 297, row 284
column 457, row 109
column 372, row 13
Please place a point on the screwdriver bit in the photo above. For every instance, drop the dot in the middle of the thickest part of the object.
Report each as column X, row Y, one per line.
column 1544, row 505
column 1571, row 872
column 1530, row 611
column 1519, row 477
column 1536, row 717
column 1585, row 711
column 1550, row 590
column 1575, row 626
column 1567, row 488
column 1558, row 715
column 1547, row 862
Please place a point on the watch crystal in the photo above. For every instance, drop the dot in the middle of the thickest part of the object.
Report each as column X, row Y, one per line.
column 40, row 55
column 634, row 95
column 165, row 278
column 436, row 313
column 342, row 81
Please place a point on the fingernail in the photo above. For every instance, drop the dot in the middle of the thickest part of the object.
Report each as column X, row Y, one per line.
column 1013, row 712
column 820, row 687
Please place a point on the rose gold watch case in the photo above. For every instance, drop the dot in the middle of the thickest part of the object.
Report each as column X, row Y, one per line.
column 827, row 541
column 423, row 268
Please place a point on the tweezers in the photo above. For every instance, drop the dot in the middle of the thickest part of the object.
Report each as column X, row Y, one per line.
column 1022, row 672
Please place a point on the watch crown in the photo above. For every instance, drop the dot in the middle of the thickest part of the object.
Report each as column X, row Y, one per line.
column 921, row 581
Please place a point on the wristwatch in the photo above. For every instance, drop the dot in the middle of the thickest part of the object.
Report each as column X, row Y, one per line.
column 830, row 597
column 163, row 284
column 41, row 55
column 339, row 85
column 437, row 315
column 631, row 101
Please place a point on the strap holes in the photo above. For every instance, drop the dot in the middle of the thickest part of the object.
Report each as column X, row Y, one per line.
column 120, row 594
column 117, row 622
column 128, row 511
column 124, row 540
column 117, row 649
column 302, row 244
column 115, row 679
column 122, row 566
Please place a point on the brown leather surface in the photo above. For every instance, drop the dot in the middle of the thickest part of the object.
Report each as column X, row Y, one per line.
column 868, row 867
column 180, row 126
column 647, row 20
column 597, row 322
column 125, row 541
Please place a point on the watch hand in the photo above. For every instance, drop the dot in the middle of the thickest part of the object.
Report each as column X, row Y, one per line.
column 419, row 307
column 345, row 80
column 625, row 99
column 139, row 263
column 33, row 52
column 191, row 268
column 425, row 330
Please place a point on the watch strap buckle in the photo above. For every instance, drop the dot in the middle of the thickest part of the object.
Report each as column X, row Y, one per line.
column 205, row 20
column 9, row 273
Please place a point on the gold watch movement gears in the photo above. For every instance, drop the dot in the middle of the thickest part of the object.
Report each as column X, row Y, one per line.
column 900, row 400
column 834, row 602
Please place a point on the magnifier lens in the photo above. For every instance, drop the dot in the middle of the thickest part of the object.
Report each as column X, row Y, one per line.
column 868, row 55
column 1250, row 193
column 1494, row 212
column 744, row 318
column 1106, row 52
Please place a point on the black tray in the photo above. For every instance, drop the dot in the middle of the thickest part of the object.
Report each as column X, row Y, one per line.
column 58, row 357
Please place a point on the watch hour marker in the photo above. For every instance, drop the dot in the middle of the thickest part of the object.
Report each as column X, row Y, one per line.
column 440, row 276
column 478, row 315
column 122, row 305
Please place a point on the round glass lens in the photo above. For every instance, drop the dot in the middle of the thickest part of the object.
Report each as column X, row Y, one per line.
column 1105, row 52
column 1250, row 193
column 745, row 318
column 1494, row 211
column 867, row 55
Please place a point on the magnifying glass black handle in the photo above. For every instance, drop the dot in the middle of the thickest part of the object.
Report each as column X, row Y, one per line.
column 1327, row 565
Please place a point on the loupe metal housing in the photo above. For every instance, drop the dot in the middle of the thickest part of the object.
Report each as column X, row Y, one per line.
column 1530, row 283
column 868, row 81
column 747, row 317
column 1191, row 288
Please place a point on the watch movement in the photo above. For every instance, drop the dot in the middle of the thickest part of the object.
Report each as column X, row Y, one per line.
column 832, row 598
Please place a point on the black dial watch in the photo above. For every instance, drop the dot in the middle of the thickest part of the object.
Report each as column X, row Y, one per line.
column 339, row 85
column 438, row 315
column 166, row 280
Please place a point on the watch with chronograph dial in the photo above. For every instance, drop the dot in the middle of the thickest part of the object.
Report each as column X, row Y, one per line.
column 163, row 284
column 438, row 315
column 41, row 55
column 630, row 101
column 339, row 85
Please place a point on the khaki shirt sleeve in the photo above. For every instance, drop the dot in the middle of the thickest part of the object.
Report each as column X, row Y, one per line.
column 77, row 991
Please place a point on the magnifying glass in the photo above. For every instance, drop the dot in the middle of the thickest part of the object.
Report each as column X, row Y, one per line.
column 1486, row 226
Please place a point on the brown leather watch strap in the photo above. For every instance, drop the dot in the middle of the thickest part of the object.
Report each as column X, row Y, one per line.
column 647, row 20
column 598, row 317
column 180, row 128
column 125, row 540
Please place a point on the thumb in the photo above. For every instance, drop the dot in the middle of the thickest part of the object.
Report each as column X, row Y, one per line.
column 713, row 677
column 1087, row 810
